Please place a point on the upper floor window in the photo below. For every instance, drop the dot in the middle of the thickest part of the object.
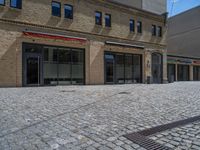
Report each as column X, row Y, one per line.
column 107, row 20
column 132, row 25
column 98, row 18
column 56, row 9
column 2, row 2
column 153, row 30
column 68, row 11
column 159, row 31
column 139, row 27
column 16, row 4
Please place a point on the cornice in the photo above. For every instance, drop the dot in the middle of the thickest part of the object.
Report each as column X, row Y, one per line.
column 25, row 24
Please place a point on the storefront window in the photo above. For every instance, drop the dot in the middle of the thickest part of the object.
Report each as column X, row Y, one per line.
column 196, row 73
column 183, row 72
column 120, row 68
column 77, row 66
column 128, row 68
column 123, row 68
column 137, row 68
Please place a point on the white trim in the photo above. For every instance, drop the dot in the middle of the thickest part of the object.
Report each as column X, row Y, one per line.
column 124, row 44
column 51, row 34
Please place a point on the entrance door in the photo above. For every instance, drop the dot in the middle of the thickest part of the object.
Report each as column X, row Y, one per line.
column 157, row 68
column 109, row 71
column 183, row 73
column 33, row 70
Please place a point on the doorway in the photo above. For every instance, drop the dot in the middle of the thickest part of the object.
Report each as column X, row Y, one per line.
column 109, row 68
column 33, row 70
column 157, row 64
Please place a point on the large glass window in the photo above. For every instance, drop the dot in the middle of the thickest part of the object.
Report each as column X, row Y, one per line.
column 128, row 68
column 77, row 66
column 56, row 9
column 137, row 68
column 68, row 11
column 16, row 4
column 171, row 72
column 123, row 68
column 120, row 68
column 98, row 18
column 64, row 66
column 196, row 73
column 183, row 72
column 50, row 67
column 107, row 20
column 2, row 2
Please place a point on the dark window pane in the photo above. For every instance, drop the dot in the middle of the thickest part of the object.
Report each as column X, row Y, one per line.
column 108, row 20
column 153, row 30
column 183, row 73
column 69, row 11
column 2, row 2
column 139, row 27
column 56, row 10
column 196, row 73
column 171, row 72
column 120, row 68
column 132, row 25
column 128, row 69
column 16, row 3
column 137, row 72
column 160, row 31
column 98, row 18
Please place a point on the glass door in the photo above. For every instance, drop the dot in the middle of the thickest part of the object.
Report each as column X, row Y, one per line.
column 109, row 68
column 33, row 70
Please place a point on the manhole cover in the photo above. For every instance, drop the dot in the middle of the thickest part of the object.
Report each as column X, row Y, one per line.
column 124, row 93
column 65, row 91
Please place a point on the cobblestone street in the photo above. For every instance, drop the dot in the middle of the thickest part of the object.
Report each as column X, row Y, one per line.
column 97, row 117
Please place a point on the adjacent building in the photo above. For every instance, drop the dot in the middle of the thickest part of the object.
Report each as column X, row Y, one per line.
column 183, row 46
column 70, row 42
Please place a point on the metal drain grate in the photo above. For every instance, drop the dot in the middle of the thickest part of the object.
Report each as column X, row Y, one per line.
column 168, row 126
column 145, row 142
column 141, row 138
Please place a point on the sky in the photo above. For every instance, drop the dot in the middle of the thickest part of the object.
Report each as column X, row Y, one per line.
column 180, row 6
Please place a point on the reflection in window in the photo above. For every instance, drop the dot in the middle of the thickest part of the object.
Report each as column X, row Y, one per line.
column 56, row 9
column 69, row 11
column 132, row 25
column 120, row 68
column 128, row 68
column 98, row 18
column 107, row 20
column 2, row 2
column 16, row 4
column 137, row 69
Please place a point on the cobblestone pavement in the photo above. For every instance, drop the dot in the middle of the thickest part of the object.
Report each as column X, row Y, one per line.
column 96, row 117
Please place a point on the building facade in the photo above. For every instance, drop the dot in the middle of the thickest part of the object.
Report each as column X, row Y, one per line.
column 73, row 42
column 183, row 46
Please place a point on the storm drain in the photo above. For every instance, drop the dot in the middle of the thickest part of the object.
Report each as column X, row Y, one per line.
column 145, row 142
column 141, row 137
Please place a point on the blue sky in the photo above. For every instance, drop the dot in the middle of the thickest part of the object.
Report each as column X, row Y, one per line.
column 181, row 5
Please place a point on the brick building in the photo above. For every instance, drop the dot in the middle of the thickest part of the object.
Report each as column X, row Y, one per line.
column 80, row 42
column 183, row 46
